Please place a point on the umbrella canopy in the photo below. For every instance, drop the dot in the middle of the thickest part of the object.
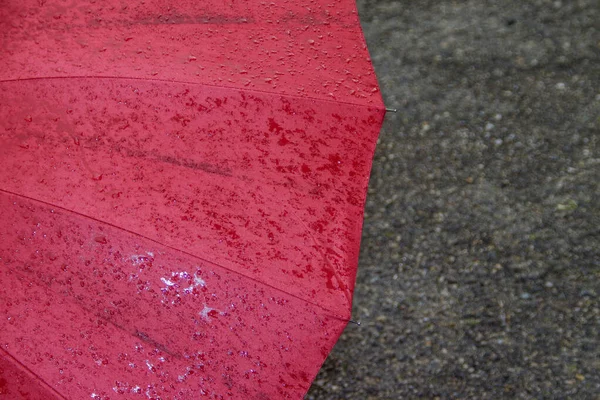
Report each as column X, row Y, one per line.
column 181, row 193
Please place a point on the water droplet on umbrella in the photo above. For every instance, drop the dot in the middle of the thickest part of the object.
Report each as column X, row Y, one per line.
column 100, row 239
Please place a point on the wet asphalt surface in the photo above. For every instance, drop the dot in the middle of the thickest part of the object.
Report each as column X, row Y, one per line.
column 479, row 274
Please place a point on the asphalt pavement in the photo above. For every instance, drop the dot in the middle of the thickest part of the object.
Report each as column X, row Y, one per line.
column 479, row 274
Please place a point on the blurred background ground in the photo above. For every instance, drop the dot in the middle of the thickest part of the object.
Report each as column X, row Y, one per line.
column 479, row 274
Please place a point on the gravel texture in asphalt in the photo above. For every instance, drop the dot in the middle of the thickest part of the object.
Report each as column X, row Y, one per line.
column 479, row 275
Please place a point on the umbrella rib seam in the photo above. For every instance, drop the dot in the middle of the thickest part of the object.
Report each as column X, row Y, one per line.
column 380, row 106
column 42, row 380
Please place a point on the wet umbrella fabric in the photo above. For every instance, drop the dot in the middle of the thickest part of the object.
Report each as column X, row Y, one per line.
column 181, row 195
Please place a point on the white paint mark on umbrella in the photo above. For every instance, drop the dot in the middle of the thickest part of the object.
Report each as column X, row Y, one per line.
column 199, row 281
column 172, row 281
column 167, row 282
column 137, row 259
column 205, row 312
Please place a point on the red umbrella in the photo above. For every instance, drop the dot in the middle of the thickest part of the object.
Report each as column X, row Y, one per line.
column 181, row 194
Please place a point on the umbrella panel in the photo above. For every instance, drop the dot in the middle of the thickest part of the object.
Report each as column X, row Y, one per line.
column 129, row 316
